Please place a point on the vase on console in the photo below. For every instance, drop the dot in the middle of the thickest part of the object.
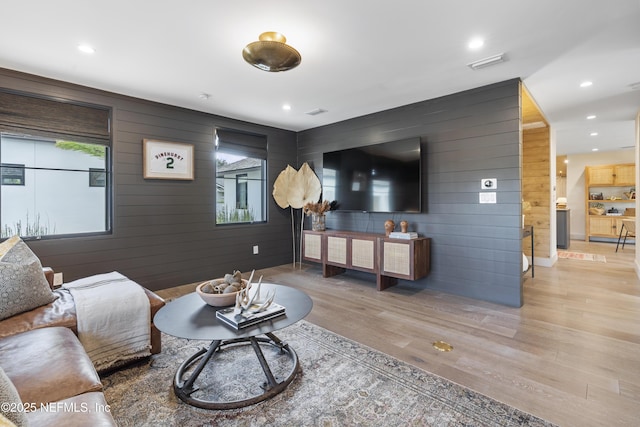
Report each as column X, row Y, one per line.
column 317, row 212
column 318, row 222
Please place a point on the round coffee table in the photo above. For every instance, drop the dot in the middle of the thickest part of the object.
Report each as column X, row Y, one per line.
column 191, row 318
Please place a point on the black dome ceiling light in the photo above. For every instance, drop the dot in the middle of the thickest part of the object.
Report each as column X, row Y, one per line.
column 271, row 53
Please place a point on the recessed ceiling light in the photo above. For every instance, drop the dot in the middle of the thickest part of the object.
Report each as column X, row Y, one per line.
column 594, row 134
column 591, row 117
column 566, row 161
column 286, row 107
column 586, row 83
column 594, row 149
column 476, row 43
column 85, row 48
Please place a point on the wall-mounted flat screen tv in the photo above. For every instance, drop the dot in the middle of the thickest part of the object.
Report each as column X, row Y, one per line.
column 374, row 178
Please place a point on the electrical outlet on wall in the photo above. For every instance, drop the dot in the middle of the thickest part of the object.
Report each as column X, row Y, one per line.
column 255, row 250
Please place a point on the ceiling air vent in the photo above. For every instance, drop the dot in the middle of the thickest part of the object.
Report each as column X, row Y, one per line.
column 486, row 62
column 316, row 112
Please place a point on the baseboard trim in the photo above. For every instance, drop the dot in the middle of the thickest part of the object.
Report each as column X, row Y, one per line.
column 546, row 262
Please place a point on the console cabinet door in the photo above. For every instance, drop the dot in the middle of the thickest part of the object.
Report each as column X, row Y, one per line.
column 363, row 254
column 405, row 259
column 312, row 247
column 396, row 259
column 337, row 250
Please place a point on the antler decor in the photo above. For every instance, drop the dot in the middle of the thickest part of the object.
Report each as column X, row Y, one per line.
column 295, row 189
column 248, row 306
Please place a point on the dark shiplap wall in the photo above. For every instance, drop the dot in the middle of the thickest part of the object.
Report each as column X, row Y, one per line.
column 164, row 232
column 476, row 248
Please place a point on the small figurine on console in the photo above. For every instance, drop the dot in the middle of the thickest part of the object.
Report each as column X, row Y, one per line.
column 389, row 226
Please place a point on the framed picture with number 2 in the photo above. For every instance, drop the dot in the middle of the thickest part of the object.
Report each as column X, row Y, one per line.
column 167, row 160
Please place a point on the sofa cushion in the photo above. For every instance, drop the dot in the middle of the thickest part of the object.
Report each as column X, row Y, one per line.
column 87, row 409
column 23, row 285
column 48, row 365
column 61, row 312
column 10, row 401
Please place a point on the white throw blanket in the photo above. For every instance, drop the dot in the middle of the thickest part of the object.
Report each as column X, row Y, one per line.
column 113, row 318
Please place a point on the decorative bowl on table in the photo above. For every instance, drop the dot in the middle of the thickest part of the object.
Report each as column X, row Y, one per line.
column 207, row 291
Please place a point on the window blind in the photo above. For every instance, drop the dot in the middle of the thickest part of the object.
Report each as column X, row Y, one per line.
column 248, row 144
column 33, row 115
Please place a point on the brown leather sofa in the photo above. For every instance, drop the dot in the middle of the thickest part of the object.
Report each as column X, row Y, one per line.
column 45, row 361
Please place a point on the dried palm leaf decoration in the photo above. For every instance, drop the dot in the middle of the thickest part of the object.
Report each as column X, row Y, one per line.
column 306, row 188
column 281, row 186
column 294, row 189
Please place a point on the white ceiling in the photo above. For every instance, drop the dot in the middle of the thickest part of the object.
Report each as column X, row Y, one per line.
column 358, row 56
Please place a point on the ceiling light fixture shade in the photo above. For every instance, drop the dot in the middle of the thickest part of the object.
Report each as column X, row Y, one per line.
column 271, row 53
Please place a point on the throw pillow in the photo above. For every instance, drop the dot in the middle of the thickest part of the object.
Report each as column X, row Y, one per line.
column 12, row 407
column 23, row 286
column 4, row 422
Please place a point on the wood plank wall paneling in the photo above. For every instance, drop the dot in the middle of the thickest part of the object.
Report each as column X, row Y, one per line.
column 163, row 231
column 536, row 175
column 476, row 248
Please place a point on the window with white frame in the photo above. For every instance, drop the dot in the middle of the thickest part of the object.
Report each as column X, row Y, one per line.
column 241, row 161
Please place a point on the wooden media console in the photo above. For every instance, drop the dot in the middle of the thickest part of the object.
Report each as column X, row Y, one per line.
column 389, row 259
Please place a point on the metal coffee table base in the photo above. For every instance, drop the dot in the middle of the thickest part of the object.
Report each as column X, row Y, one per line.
column 185, row 388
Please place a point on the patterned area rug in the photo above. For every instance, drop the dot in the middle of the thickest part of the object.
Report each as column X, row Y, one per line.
column 342, row 383
column 581, row 256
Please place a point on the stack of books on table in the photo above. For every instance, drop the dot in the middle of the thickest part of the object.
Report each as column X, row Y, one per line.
column 401, row 235
column 239, row 321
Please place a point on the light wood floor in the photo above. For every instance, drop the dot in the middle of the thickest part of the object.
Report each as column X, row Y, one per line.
column 570, row 355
